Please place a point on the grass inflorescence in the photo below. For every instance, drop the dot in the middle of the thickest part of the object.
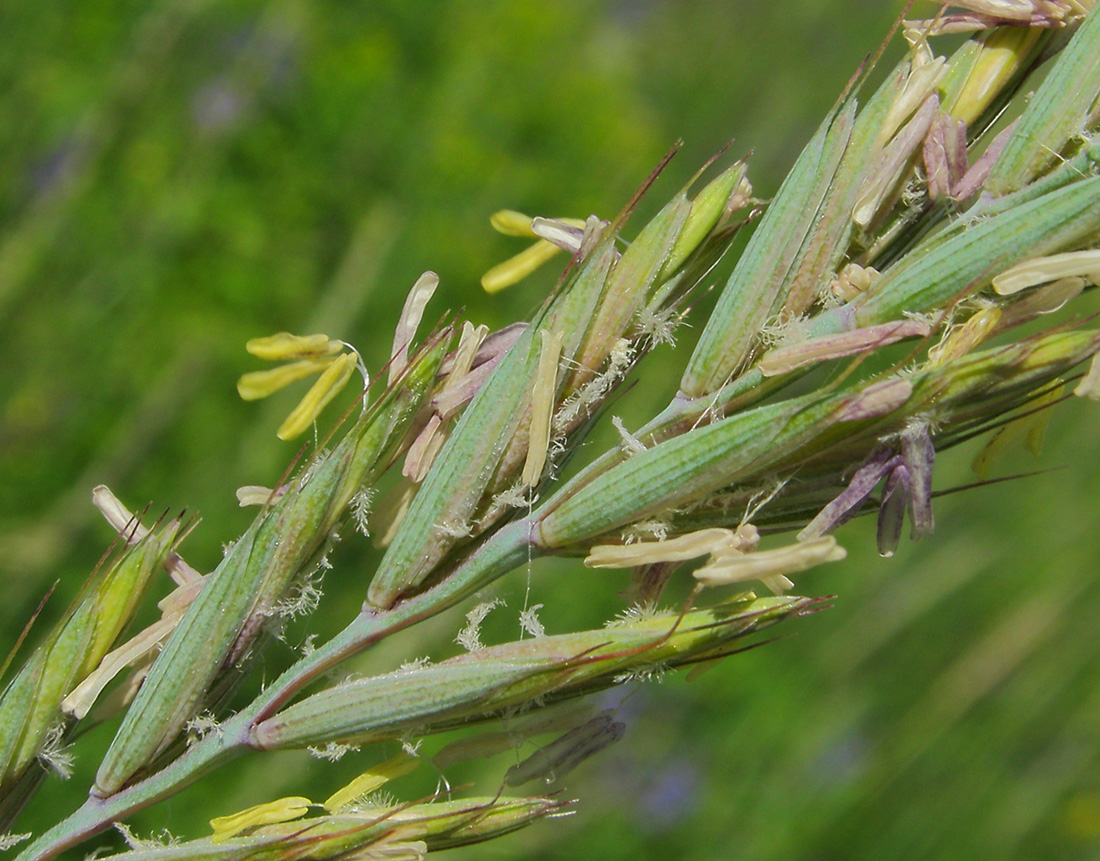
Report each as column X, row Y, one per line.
column 913, row 282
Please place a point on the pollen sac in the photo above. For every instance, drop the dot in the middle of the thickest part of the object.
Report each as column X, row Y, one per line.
column 327, row 386
column 918, row 454
column 944, row 156
column 283, row 346
column 511, row 223
column 891, row 513
column 281, row 810
column 259, row 384
column 847, row 505
column 1042, row 270
column 315, row 354
column 546, row 232
column 908, row 485
column 771, row 567
column 370, row 780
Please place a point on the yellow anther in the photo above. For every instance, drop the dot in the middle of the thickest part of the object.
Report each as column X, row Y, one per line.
column 1040, row 270
column 254, row 494
column 370, row 780
column 770, row 566
column 280, row 810
column 960, row 340
column 284, row 345
column 515, row 269
column 315, row 354
column 259, row 384
column 852, row 280
column 328, row 385
column 703, row 542
column 512, row 223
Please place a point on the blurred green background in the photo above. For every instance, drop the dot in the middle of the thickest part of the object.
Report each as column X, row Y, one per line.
column 180, row 176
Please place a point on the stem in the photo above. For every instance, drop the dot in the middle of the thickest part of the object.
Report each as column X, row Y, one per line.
column 506, row 549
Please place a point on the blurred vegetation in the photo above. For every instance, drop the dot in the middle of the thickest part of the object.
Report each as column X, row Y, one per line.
column 181, row 176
